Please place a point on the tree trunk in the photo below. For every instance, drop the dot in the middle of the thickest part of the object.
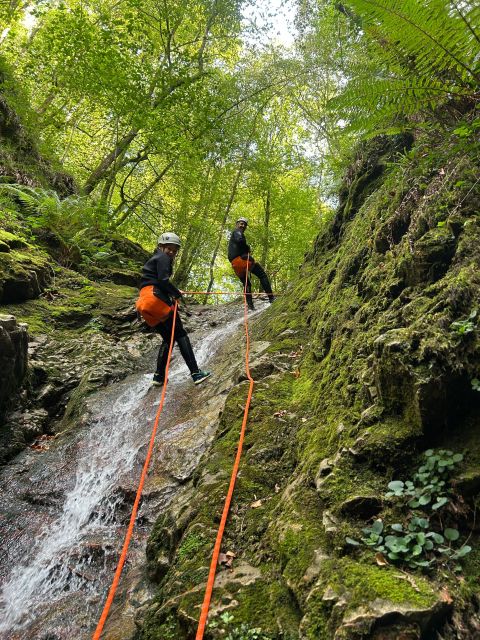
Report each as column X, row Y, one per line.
column 266, row 222
column 102, row 169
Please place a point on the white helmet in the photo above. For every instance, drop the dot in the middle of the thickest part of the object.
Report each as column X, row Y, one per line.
column 242, row 220
column 169, row 238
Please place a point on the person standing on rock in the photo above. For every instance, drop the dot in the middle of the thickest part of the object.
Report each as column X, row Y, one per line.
column 156, row 302
column 243, row 263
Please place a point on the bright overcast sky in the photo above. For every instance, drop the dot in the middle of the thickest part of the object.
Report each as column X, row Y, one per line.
column 280, row 21
column 281, row 29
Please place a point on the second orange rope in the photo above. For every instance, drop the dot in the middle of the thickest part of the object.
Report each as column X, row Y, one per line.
column 226, row 507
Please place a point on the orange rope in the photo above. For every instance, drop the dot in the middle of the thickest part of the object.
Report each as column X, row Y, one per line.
column 226, row 507
column 128, row 536
column 225, row 293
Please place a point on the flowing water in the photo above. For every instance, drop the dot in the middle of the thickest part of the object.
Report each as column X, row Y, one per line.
column 63, row 511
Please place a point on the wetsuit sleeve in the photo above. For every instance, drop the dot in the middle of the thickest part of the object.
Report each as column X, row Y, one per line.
column 242, row 245
column 164, row 270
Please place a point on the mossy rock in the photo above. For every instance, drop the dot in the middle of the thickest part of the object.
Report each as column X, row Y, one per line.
column 12, row 241
column 23, row 275
column 352, row 598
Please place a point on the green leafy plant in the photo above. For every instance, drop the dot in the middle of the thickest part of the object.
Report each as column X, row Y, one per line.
column 428, row 487
column 467, row 130
column 75, row 220
column 465, row 326
column 224, row 624
column 475, row 384
column 426, row 54
column 418, row 543
column 414, row 545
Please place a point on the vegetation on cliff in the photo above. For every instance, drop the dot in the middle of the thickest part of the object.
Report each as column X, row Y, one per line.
column 368, row 369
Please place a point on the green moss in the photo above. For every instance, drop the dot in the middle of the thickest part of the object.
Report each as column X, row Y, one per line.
column 358, row 584
column 367, row 582
column 190, row 545
column 269, row 606
column 11, row 240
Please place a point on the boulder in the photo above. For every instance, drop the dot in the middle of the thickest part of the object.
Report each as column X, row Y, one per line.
column 23, row 276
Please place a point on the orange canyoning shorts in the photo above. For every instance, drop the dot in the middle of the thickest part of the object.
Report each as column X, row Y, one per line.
column 152, row 309
column 240, row 265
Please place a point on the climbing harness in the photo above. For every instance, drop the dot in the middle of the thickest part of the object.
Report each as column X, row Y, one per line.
column 151, row 308
column 128, row 535
column 226, row 507
column 242, row 266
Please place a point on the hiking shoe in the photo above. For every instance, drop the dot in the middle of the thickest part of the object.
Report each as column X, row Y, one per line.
column 200, row 376
column 158, row 380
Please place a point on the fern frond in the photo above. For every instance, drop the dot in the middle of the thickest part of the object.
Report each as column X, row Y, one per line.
column 428, row 53
column 26, row 196
column 431, row 33
column 470, row 16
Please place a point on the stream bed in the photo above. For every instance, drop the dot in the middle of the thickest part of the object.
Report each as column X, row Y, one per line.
column 64, row 510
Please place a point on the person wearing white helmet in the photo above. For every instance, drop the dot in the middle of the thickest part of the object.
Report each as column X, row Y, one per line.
column 243, row 263
column 155, row 305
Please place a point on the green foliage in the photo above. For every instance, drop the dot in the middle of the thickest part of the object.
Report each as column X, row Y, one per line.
column 76, row 221
column 428, row 489
column 224, row 625
column 465, row 326
column 415, row 545
column 475, row 382
column 418, row 543
column 467, row 129
column 422, row 55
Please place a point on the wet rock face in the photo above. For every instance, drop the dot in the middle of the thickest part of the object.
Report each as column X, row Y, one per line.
column 13, row 359
column 63, row 370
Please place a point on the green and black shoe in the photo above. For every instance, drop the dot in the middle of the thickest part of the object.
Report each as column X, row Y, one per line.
column 200, row 376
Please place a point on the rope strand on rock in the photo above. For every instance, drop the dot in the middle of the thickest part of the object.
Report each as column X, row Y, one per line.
column 226, row 507
column 128, row 535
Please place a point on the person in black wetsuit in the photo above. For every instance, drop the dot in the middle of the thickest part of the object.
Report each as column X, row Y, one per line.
column 243, row 262
column 156, row 302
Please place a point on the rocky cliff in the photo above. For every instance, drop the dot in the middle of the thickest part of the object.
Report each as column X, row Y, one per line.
column 78, row 319
column 372, row 358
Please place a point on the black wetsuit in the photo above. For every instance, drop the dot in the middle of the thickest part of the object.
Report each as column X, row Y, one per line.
column 238, row 247
column 157, row 271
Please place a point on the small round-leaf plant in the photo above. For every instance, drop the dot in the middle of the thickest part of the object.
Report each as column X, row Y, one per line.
column 225, row 625
column 416, row 543
column 428, row 488
column 467, row 325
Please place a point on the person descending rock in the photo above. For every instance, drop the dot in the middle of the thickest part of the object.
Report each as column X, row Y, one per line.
column 240, row 258
column 156, row 303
